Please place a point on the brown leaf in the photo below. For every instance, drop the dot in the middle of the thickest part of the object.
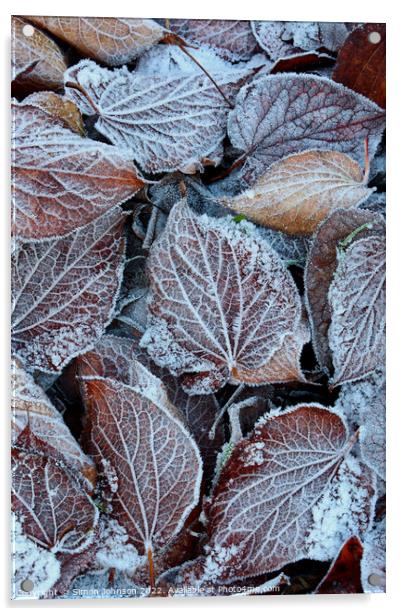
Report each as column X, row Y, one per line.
column 361, row 62
column 221, row 305
column 39, row 52
column 54, row 509
column 62, row 181
column 299, row 191
column 31, row 407
column 321, row 265
column 64, row 292
column 275, row 496
column 60, row 107
column 108, row 39
column 273, row 118
column 139, row 435
column 356, row 298
column 344, row 573
column 115, row 357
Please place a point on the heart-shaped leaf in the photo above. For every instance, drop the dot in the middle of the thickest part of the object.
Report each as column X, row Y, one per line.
column 283, row 114
column 222, row 303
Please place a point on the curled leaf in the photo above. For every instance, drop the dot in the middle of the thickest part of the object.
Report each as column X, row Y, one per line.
column 60, row 107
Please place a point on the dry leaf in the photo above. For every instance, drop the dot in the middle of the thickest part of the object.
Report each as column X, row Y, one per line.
column 275, row 496
column 115, row 357
column 344, row 573
column 64, row 292
column 62, row 181
column 137, row 433
column 60, row 107
column 283, row 114
column 221, row 305
column 169, row 120
column 286, row 38
column 31, row 407
column 230, row 39
column 321, row 265
column 357, row 302
column 39, row 54
column 108, row 39
column 299, row 191
column 54, row 510
column 361, row 63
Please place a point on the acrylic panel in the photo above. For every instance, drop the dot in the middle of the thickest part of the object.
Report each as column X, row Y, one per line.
column 198, row 307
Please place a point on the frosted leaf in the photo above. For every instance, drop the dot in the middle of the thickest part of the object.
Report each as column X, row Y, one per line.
column 169, row 121
column 221, row 303
column 293, row 250
column 363, row 403
column 31, row 562
column 357, row 302
column 299, row 191
column 283, row 38
column 360, row 64
column 115, row 551
column 156, row 461
column 115, row 357
column 344, row 510
column 373, row 565
column 35, row 60
column 53, row 508
column 30, row 406
column 64, row 292
column 60, row 180
column 230, row 39
column 59, row 106
column 283, row 114
column 264, row 500
column 321, row 265
column 111, row 40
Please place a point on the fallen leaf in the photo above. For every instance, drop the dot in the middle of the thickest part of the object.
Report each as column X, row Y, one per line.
column 299, row 191
column 53, row 508
column 31, row 407
column 115, row 357
column 60, row 107
column 61, row 181
column 356, row 297
column 64, row 292
column 270, row 504
column 321, row 265
column 169, row 120
column 361, row 62
column 39, row 52
column 300, row 62
column 221, row 303
column 108, row 39
column 283, row 114
column 138, row 433
column 230, row 39
column 344, row 573
column 286, row 38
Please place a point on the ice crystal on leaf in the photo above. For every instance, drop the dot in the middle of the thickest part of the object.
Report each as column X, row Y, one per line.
column 222, row 304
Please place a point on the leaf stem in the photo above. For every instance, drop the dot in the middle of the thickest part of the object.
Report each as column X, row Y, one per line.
column 366, row 161
column 151, row 568
column 223, row 410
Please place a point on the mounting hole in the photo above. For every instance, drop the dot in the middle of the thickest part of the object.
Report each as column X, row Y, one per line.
column 27, row 585
column 28, row 30
column 374, row 579
column 374, row 37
